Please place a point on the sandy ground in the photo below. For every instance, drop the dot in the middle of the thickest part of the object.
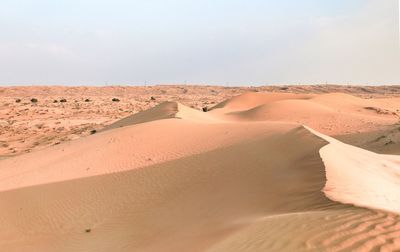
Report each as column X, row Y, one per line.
column 27, row 126
column 298, row 169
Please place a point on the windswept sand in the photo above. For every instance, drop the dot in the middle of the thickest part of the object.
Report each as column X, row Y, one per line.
column 258, row 172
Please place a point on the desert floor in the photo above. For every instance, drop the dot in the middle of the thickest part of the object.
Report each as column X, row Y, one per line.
column 200, row 168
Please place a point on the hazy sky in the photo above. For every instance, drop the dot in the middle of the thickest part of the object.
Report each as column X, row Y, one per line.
column 235, row 42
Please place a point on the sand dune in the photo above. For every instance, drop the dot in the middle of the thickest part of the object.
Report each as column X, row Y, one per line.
column 246, row 176
column 331, row 114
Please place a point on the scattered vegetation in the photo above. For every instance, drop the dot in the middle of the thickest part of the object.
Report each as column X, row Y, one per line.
column 390, row 142
column 379, row 138
column 380, row 111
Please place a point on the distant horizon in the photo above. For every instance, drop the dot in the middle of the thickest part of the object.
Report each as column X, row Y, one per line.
column 95, row 42
column 198, row 84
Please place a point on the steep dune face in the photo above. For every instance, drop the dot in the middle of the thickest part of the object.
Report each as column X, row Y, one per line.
column 244, row 177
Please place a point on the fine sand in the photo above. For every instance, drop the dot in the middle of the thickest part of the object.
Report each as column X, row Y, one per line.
column 257, row 172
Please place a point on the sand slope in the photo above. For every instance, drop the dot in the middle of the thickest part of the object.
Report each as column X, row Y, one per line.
column 176, row 179
column 204, row 198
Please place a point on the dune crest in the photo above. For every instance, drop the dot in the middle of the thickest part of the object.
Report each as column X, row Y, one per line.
column 360, row 177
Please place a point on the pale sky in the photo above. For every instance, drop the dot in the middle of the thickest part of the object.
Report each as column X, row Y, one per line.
column 234, row 42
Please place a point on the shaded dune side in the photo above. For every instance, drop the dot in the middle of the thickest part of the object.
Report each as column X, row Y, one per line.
column 183, row 205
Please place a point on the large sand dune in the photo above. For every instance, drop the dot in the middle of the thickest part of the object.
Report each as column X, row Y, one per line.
column 246, row 176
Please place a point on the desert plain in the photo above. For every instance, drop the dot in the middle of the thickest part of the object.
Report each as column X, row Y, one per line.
column 200, row 168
